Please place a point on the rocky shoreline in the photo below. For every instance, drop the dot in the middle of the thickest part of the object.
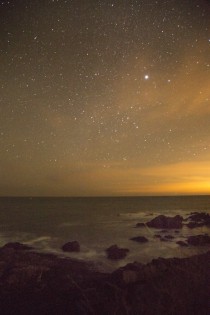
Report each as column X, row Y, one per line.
column 35, row 283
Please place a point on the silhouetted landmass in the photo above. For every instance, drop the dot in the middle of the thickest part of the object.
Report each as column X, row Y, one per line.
column 34, row 283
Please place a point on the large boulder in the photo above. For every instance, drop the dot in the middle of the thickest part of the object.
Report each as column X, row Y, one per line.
column 139, row 239
column 164, row 222
column 73, row 246
column 115, row 253
column 197, row 240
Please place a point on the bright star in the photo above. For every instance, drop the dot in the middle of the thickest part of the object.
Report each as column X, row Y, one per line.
column 146, row 77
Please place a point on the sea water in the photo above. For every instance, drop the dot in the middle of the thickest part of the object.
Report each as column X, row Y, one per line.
column 97, row 223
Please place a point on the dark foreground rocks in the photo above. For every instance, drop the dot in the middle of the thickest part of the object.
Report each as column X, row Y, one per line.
column 72, row 246
column 16, row 246
column 43, row 284
column 114, row 252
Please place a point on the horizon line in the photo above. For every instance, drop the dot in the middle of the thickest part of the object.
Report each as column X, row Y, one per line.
column 106, row 196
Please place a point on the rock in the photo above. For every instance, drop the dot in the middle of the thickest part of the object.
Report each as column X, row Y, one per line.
column 16, row 246
column 164, row 222
column 169, row 237
column 139, row 239
column 115, row 253
column 25, row 275
column 197, row 240
column 37, row 283
column 157, row 235
column 198, row 220
column 140, row 224
column 192, row 225
column 199, row 216
column 181, row 243
column 73, row 246
column 129, row 276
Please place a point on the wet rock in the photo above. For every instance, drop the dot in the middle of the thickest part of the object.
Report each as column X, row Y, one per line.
column 192, row 225
column 198, row 220
column 73, row 246
column 114, row 252
column 199, row 216
column 16, row 246
column 169, row 237
column 139, row 239
column 181, row 243
column 140, row 225
column 164, row 222
column 199, row 240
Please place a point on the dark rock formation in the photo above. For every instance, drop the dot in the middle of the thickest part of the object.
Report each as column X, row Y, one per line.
column 140, row 224
column 164, row 222
column 42, row 284
column 73, row 246
column 197, row 240
column 16, row 246
column 115, row 253
column 181, row 243
column 199, row 216
column 198, row 219
column 139, row 239
column 192, row 225
column 169, row 237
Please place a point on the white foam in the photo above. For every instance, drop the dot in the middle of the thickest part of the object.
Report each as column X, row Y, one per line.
column 38, row 240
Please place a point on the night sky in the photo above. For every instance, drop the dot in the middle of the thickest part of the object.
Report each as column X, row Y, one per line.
column 104, row 97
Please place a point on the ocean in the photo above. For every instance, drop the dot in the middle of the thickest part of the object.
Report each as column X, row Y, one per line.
column 97, row 223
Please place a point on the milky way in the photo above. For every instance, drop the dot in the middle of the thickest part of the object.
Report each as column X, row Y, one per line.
column 104, row 97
